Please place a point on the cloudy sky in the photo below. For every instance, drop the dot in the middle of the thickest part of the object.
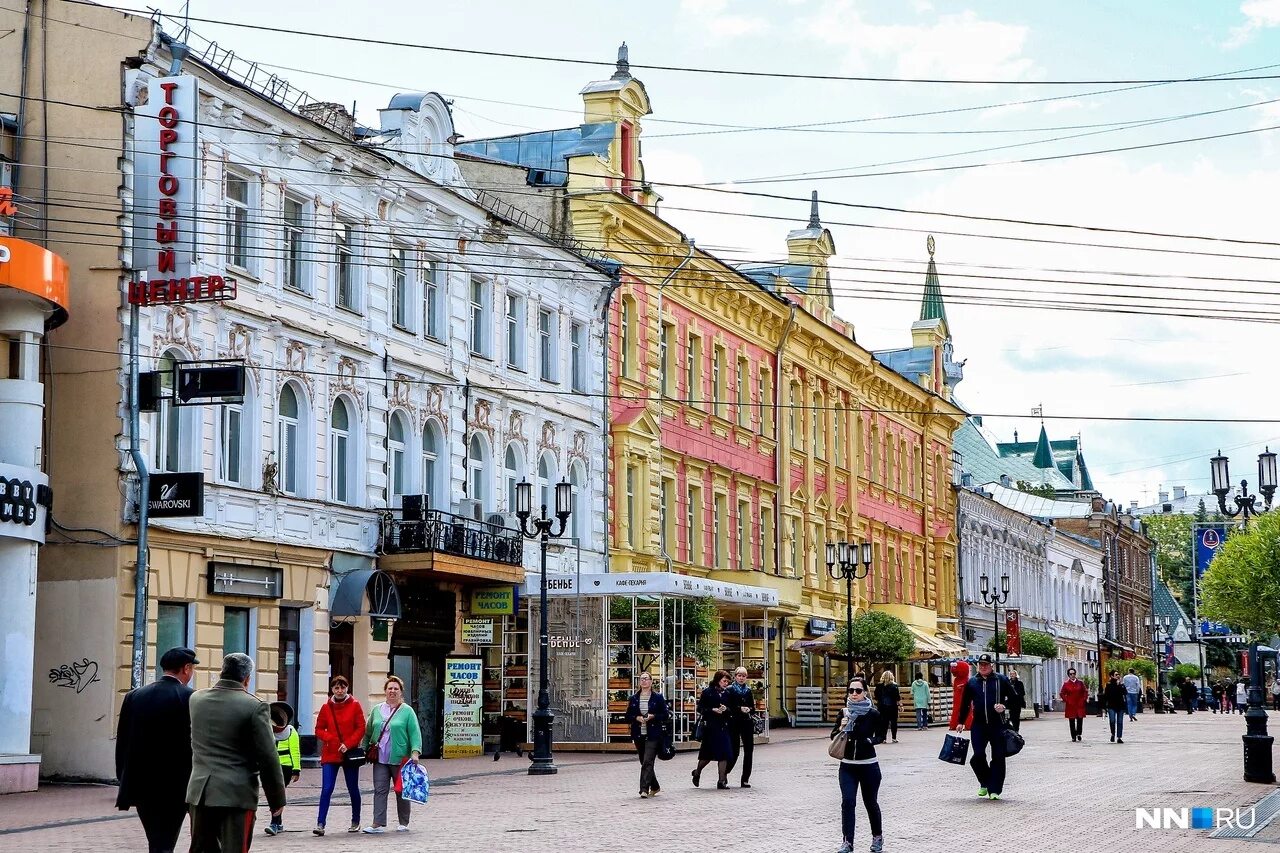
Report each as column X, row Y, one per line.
column 1164, row 333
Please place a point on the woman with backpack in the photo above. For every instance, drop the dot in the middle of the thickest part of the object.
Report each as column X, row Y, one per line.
column 340, row 728
column 649, row 715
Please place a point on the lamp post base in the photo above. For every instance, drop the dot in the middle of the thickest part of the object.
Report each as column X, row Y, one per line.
column 1257, row 759
column 542, row 763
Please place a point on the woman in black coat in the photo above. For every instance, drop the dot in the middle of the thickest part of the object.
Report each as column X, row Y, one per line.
column 713, row 705
column 887, row 698
column 1113, row 699
column 859, row 767
column 649, row 716
column 1015, row 708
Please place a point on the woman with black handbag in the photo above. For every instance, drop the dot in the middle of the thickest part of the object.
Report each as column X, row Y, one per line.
column 713, row 706
column 858, row 725
column 340, row 728
column 742, row 724
column 649, row 715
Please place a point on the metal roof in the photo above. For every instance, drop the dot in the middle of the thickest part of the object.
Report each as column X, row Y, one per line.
column 981, row 460
column 1037, row 507
column 545, row 152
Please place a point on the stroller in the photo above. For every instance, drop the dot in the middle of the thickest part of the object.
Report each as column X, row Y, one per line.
column 511, row 734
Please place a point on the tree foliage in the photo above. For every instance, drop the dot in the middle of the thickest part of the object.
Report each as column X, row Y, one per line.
column 1242, row 585
column 1184, row 670
column 1042, row 490
column 1035, row 643
column 877, row 638
column 1141, row 666
column 1172, row 535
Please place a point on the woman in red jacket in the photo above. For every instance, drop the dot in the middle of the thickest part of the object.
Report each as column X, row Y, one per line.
column 339, row 728
column 1074, row 694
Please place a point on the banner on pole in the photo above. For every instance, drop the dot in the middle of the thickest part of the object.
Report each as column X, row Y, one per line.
column 1012, row 633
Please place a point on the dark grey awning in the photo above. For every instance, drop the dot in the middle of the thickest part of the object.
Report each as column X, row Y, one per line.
column 371, row 585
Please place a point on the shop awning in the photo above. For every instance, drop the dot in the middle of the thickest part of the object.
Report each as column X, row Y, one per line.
column 652, row 583
column 816, row 645
column 366, row 584
column 930, row 646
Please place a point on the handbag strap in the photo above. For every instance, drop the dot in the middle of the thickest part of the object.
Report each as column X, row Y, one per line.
column 333, row 715
column 387, row 722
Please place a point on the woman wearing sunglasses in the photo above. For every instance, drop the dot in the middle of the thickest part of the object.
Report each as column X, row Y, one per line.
column 859, row 767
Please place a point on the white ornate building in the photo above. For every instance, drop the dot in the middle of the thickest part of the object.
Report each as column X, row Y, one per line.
column 401, row 339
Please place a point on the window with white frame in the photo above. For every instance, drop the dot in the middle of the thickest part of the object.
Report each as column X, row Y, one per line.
column 693, row 523
column 477, row 469
column 515, row 331
column 719, row 530
column 294, row 270
column 168, row 419
column 399, row 287
column 548, row 333
column 632, row 518
column 546, row 483
column 345, row 273
column 432, row 467
column 231, row 439
column 397, row 457
column 341, row 487
column 581, row 518
column 432, row 294
column 744, row 535
column 288, row 450
column 479, row 332
column 578, row 357
column 511, row 475
column 237, row 197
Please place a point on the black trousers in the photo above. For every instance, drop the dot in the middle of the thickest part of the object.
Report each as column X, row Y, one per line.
column 743, row 738
column 1077, row 726
column 1015, row 717
column 888, row 722
column 162, row 822
column 219, row 830
column 990, row 773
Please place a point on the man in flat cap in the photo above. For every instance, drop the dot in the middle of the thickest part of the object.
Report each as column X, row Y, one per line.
column 153, row 750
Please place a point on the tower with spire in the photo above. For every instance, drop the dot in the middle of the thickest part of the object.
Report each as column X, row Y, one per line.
column 805, row 275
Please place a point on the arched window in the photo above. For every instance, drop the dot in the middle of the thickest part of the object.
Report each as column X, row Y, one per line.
column 397, row 457
column 341, row 486
column 546, row 483
column 432, row 468
column 288, row 451
column 477, row 467
column 511, row 471
column 581, row 518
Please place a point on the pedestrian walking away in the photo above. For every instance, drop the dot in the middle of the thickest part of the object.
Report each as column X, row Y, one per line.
column 920, row 699
column 650, row 717
column 231, row 749
column 1242, row 696
column 1187, row 690
column 714, row 708
column 1275, row 694
column 1075, row 696
column 888, row 695
column 742, row 724
column 988, row 695
column 340, row 730
column 1020, row 700
column 290, row 752
column 1133, row 692
column 398, row 740
column 1218, row 690
column 153, row 751
column 859, row 767
column 1116, row 700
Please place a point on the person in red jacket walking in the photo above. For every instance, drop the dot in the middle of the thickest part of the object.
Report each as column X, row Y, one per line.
column 339, row 728
column 1074, row 695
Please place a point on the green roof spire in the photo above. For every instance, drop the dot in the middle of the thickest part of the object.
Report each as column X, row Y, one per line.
column 932, row 307
column 1044, row 454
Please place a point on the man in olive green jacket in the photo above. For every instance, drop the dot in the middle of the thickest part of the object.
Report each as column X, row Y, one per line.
column 231, row 744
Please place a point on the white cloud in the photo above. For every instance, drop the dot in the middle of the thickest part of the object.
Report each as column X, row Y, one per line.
column 950, row 46
column 716, row 18
column 1259, row 15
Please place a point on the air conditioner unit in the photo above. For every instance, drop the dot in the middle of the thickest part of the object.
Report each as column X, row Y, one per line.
column 502, row 519
column 470, row 508
column 970, row 635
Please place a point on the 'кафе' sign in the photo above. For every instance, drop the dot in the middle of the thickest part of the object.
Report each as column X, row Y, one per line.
column 166, row 170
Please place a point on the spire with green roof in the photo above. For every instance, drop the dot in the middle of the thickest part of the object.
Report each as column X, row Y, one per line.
column 1044, row 453
column 932, row 307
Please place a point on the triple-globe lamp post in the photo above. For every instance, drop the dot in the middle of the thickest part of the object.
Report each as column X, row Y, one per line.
column 847, row 561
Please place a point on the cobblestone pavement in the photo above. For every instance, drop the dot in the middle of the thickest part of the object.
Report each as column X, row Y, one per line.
column 1059, row 796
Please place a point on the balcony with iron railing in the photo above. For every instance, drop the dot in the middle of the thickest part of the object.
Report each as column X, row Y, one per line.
column 446, row 544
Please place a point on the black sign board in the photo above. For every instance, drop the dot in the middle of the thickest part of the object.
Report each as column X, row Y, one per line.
column 240, row 579
column 175, row 495
column 194, row 386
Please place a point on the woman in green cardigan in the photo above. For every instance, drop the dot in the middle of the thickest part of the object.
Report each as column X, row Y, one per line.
column 393, row 730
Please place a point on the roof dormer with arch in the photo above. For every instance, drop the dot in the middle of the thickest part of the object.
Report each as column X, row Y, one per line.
column 418, row 127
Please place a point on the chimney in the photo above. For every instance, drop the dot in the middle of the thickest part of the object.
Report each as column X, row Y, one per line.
column 966, row 480
column 1006, row 481
column 1097, row 504
column 1179, row 492
column 330, row 115
column 1134, row 504
column 1164, row 497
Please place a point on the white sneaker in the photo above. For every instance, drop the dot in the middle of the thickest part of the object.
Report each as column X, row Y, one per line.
column 402, row 828
column 374, row 830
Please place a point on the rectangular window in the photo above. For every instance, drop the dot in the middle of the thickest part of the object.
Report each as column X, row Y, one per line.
column 235, row 630
column 171, row 628
column 399, row 288
column 628, row 357
column 666, row 357
column 432, row 289
column 693, row 372
column 339, row 464
column 666, row 520
column 795, row 547
column 818, row 418
column 693, row 524
column 294, row 261
column 793, row 417
column 719, row 532
column 229, row 447
column 717, row 382
column 837, row 431
column 287, row 453
column 345, row 267
column 631, row 506
column 742, row 393
column 479, row 318
column 578, row 357
column 548, row 332
column 766, row 539
column 236, row 197
column 515, row 331
column 744, row 535
column 767, row 412
column 290, row 649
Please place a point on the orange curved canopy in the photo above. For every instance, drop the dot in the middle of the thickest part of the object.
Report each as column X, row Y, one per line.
column 33, row 269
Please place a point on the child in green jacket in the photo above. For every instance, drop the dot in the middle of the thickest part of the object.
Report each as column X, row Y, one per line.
column 290, row 752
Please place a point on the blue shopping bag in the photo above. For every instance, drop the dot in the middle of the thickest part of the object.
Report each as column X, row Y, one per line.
column 414, row 783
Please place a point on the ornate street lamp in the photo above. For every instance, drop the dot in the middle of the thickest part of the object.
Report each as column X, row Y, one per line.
column 540, row 528
column 1257, row 743
column 1097, row 612
column 1159, row 626
column 846, row 561
column 993, row 599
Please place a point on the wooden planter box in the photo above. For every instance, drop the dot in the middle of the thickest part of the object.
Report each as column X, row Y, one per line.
column 492, row 707
column 619, row 683
column 492, row 684
column 618, row 707
column 517, row 671
column 517, row 693
column 616, row 729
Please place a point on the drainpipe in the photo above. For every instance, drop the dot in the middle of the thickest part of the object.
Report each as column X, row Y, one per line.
column 683, row 263
column 616, row 276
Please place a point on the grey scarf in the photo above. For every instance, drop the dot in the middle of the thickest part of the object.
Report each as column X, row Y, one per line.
column 856, row 709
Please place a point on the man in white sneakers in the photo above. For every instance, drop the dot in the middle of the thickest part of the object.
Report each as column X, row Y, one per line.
column 1132, row 690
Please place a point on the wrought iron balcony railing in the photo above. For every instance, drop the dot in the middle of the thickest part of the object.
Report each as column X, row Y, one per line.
column 445, row 533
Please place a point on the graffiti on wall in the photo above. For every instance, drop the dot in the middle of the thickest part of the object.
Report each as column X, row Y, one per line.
column 76, row 676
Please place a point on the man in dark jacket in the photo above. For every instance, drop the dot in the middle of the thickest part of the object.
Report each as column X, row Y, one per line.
column 988, row 694
column 232, row 745
column 153, row 751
